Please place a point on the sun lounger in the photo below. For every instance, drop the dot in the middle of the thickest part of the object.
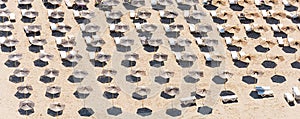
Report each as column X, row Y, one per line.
column 92, row 55
column 234, row 55
column 117, row 40
column 138, row 26
column 213, row 13
column 172, row 41
column 207, row 57
column 232, row 2
column 199, row 41
column 132, row 14
column 58, row 40
column 275, row 28
column 280, row 41
column 264, row 91
column 69, row 4
column 228, row 98
column 161, row 13
column 112, row 27
column 76, row 13
column 188, row 100
column 82, row 27
column 167, row 28
column 12, row 17
column 63, row 54
column 2, row 39
column 257, row 2
column 286, row 3
column 247, row 27
column 265, row 13
column 153, row 2
column 296, row 93
column 220, row 28
column 228, row 40
column 186, row 13
column 53, row 26
column 289, row 97
column 88, row 39
column 192, row 27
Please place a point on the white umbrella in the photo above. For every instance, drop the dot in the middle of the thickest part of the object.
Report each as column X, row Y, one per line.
column 138, row 73
column 38, row 42
column 102, row 57
column 80, row 73
column 114, row 15
column 138, row 3
column 43, row 56
column 109, row 72
column 165, row 2
column 132, row 56
column 113, row 89
column 21, row 72
column 110, row 2
column 121, row 28
column 82, row 2
column 142, row 90
column 171, row 90
column 26, row 105
column 57, row 107
column 84, row 89
column 51, row 73
column 167, row 74
column 6, row 27
column 53, row 89
column 57, row 14
column 87, row 14
column 160, row 57
column 31, row 13
column 143, row 14
column 196, row 74
column 34, row 28
column 73, row 56
column 24, row 89
column 91, row 28
column 149, row 27
column 10, row 42
column 126, row 41
column 25, row 2
column 54, row 2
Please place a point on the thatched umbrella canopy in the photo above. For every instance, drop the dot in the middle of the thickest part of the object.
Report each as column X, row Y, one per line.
column 38, row 41
column 110, row 2
column 126, row 41
column 201, row 91
column 132, row 56
column 54, row 2
column 149, row 27
column 138, row 3
column 81, row 2
column 34, row 28
column 21, row 72
column 69, row 42
column 171, row 14
column 24, row 89
column 143, row 14
column 138, row 72
column 113, row 89
column 6, row 27
column 10, row 42
column 73, row 56
column 87, row 14
column 53, row 89
column 57, row 107
column 26, row 105
column 15, row 57
column 84, row 89
column 167, row 74
column 102, row 57
column 80, row 73
column 196, row 74
column 142, row 90
column 114, row 15
column 121, row 28
column 171, row 90
column 108, row 72
column 25, row 2
column 57, row 14
column 43, row 56
column 31, row 13
column 91, row 28
column 239, row 41
column 165, row 2
column 160, row 57
column 51, row 73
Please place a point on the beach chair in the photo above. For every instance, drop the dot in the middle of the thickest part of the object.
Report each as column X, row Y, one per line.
column 153, row 2
column 247, row 27
column 132, row 14
column 161, row 13
column 117, row 40
column 2, row 39
column 167, row 28
column 205, row 2
column 199, row 41
column 112, row 27
column 58, row 40
column 296, row 93
column 234, row 55
column 76, row 13
column 221, row 29
column 88, row 39
column 69, row 4
column 264, row 91
column 265, row 13
column 12, row 17
column 275, row 28
column 258, row 2
column 280, row 41
column 233, row 2
column 213, row 13
column 192, row 27
column 63, row 54
column 286, row 3
column 188, row 101
column 207, row 57
column 138, row 26
column 92, row 55
column 289, row 97
column 186, row 13
column 229, row 98
column 53, row 26
column 172, row 41
column 82, row 27
column 228, row 40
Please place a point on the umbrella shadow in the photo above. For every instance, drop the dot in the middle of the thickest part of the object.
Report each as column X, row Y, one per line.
column 173, row 112
column 139, row 20
column 5, row 33
column 67, row 63
column 149, row 48
column 262, row 49
column 279, row 34
column 7, row 49
column 2, row 6
column 32, row 34
column 177, row 48
column 233, row 48
column 55, row 20
column 121, row 48
column 62, row 48
column 52, row 96
column 246, row 21
column 190, row 79
column 22, row 95
column 264, row 7
column 289, row 49
column 206, row 48
column 35, row 48
column 15, row 79
column 226, row 34
column 144, row 111
column 197, row 95
column 10, row 63
column 219, row 80
column 185, row 64
column 80, row 95
column 40, row 63
column 128, row 63
column 133, row 79
column 46, row 79
column 109, row 95
column 156, row 64
column 73, row 79
column 172, row 34
column 97, row 63
column 254, row 95
column 27, row 20
column 200, row 35
column 249, row 79
column 269, row 64
column 22, row 6
column 25, row 112
column 253, row 34
column 53, row 113
column 116, row 34
column 138, row 97
column 205, row 110
column 236, row 7
column 166, row 96
column 103, row 7
column 213, row 64
column 167, row 20
column 272, row 20
column 291, row 8
column 79, row 7
column 192, row 20
column 93, row 49
column 115, row 111
column 240, row 64
column 86, row 112
column 188, row 105
column 296, row 65
column 161, row 80
column 278, row 79
column 210, row 7
column 104, row 79
column 82, row 20
column 183, row 6
column 219, row 20
column 50, row 6
column 129, row 6
column 58, row 34
column 4, row 19
column 296, row 20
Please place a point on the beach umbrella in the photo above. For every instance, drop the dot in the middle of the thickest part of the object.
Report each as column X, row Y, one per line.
column 108, row 72
column 138, row 72
column 149, row 27
column 196, row 74
column 126, row 41
column 138, row 3
column 233, row 29
column 53, row 90
column 43, row 56
column 10, row 42
column 102, row 57
column 165, row 2
column 51, row 73
column 15, row 57
column 97, row 42
column 24, row 89
column 87, row 14
column 113, row 89
column 111, row 2
column 201, row 92
column 226, row 75
column 82, row 2
column 31, row 13
column 171, row 90
column 34, row 28
column 61, row 27
column 143, row 14
column 251, row 14
column 210, row 42
column 38, row 42
column 197, row 14
column 80, row 73
column 142, row 91
column 73, row 56
column 56, row 14
column 189, row 57
column 84, row 89
column 54, row 2
column 121, row 28
column 171, row 14
column 160, row 57
column 167, row 74
column 70, row 42
column 271, row 2
column 247, row 57
column 203, row 28
column 114, row 14
column 26, row 105
column 57, row 107
column 6, row 27
column 176, row 27
column 260, row 28
column 25, row 2
column 21, row 72
column 217, row 57
column 91, row 28
column 154, row 42
column 184, row 42
column 132, row 56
